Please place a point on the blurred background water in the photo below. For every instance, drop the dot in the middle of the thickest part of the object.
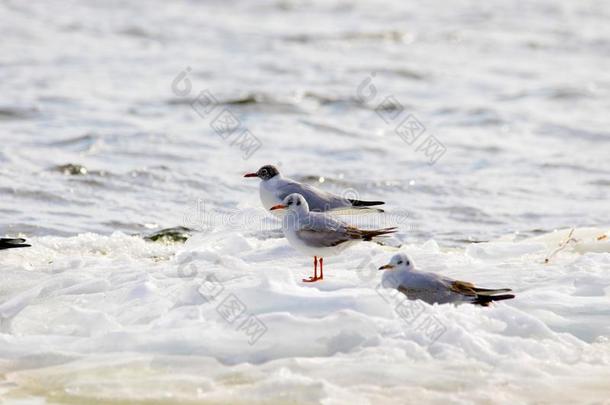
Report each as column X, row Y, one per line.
column 516, row 93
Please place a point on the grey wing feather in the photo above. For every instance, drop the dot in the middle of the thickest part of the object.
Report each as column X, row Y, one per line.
column 323, row 231
column 428, row 287
column 432, row 281
column 318, row 200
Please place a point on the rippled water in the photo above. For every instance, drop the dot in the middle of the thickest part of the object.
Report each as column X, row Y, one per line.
column 106, row 137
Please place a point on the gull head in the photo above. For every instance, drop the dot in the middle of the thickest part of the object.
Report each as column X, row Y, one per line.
column 265, row 173
column 399, row 261
column 294, row 202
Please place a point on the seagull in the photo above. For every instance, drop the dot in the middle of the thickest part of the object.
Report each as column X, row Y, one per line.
column 6, row 243
column 433, row 288
column 318, row 234
column 274, row 188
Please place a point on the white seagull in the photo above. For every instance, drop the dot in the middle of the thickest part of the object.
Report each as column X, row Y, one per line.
column 6, row 243
column 274, row 188
column 433, row 288
column 318, row 234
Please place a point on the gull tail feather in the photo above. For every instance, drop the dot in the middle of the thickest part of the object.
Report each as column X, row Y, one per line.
column 486, row 300
column 369, row 235
column 361, row 203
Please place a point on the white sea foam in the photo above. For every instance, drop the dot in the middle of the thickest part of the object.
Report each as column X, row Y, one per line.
column 118, row 318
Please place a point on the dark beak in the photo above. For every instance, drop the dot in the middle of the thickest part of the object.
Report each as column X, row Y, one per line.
column 387, row 266
column 251, row 175
column 278, row 207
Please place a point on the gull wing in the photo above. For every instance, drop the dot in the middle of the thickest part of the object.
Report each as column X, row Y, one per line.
column 324, row 231
column 318, row 200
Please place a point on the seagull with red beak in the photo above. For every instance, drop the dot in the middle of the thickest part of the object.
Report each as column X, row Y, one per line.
column 317, row 234
column 274, row 188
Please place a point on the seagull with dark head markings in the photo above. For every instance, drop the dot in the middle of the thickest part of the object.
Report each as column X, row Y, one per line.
column 402, row 275
column 274, row 188
column 318, row 234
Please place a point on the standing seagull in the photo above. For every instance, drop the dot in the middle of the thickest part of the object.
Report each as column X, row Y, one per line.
column 12, row 243
column 319, row 235
column 274, row 188
column 433, row 288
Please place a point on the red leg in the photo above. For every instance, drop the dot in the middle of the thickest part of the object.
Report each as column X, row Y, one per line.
column 321, row 268
column 315, row 271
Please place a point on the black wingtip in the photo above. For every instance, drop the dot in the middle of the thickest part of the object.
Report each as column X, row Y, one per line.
column 486, row 300
column 6, row 243
column 369, row 235
column 360, row 203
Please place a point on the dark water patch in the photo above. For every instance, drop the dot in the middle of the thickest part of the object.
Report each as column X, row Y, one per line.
column 17, row 113
column 478, row 148
column 245, row 100
column 409, row 74
column 251, row 101
column 71, row 169
column 601, row 182
column 330, row 100
column 63, row 100
column 263, row 102
column 178, row 234
column 137, row 32
column 568, row 93
column 467, row 241
column 400, row 72
column 480, row 116
column 75, row 169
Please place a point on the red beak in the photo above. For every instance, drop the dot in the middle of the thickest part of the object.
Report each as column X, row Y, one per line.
column 251, row 175
column 278, row 207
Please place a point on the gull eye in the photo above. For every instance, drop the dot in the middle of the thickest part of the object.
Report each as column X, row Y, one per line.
column 400, row 262
column 289, row 202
